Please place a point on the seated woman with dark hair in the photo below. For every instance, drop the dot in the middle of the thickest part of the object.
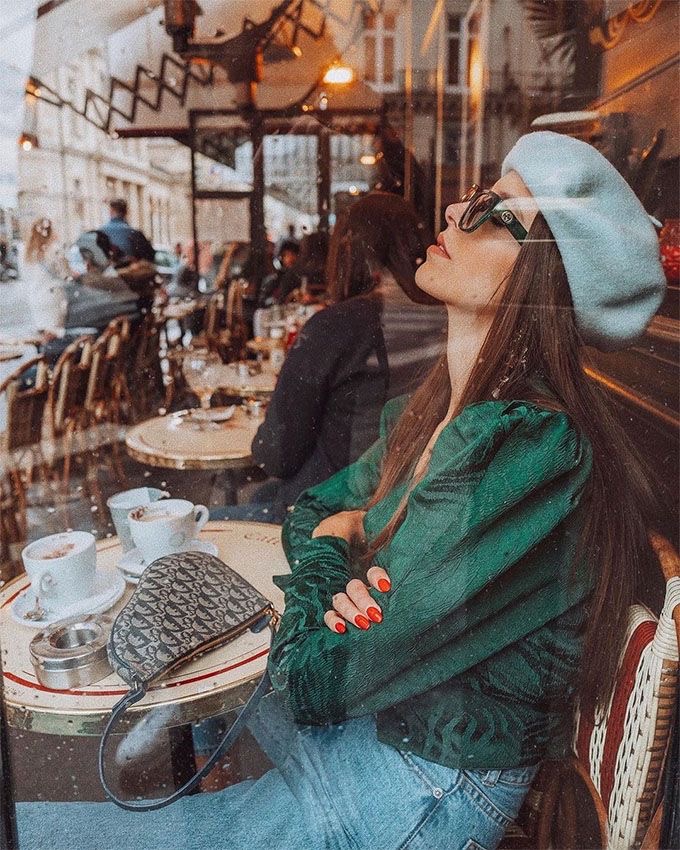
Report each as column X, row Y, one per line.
column 372, row 344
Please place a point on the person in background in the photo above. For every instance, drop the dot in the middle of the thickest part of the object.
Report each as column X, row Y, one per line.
column 306, row 280
column 380, row 334
column 130, row 242
column 45, row 271
column 272, row 290
column 289, row 237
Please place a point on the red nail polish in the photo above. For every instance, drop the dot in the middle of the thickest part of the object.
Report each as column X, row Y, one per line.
column 361, row 622
column 374, row 614
column 384, row 585
column 340, row 628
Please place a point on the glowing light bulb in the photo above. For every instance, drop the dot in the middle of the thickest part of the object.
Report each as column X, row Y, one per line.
column 339, row 75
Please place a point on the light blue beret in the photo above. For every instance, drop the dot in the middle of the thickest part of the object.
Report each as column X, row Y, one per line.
column 608, row 244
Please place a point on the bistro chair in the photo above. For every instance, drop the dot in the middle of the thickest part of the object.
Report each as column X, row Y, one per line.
column 121, row 401
column 65, row 411
column 146, row 383
column 12, row 531
column 235, row 321
column 102, row 404
column 608, row 794
column 26, row 391
column 106, row 366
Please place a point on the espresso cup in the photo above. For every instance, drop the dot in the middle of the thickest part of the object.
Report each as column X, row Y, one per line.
column 164, row 528
column 62, row 568
column 120, row 505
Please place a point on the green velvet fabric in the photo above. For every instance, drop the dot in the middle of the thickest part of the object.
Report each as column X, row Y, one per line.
column 474, row 663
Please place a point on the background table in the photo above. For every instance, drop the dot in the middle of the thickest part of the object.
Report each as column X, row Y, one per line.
column 216, row 682
column 227, row 378
column 173, row 442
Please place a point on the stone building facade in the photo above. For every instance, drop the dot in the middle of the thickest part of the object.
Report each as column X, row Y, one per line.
column 75, row 168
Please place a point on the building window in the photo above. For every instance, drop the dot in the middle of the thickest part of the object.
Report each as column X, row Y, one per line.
column 72, row 94
column 78, row 203
column 453, row 74
column 380, row 32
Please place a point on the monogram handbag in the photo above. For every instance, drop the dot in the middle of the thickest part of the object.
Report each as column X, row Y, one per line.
column 183, row 606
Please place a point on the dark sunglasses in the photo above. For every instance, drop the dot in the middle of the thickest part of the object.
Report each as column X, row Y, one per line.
column 484, row 205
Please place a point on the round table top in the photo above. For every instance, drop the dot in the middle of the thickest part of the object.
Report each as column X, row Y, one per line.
column 176, row 441
column 217, row 681
column 227, row 378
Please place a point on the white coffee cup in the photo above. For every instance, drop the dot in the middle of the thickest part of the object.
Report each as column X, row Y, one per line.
column 62, row 568
column 120, row 505
column 165, row 527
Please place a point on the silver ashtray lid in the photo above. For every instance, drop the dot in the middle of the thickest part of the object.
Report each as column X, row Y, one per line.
column 68, row 644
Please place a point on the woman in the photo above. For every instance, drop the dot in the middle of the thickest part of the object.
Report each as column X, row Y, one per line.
column 500, row 527
column 372, row 344
column 45, row 271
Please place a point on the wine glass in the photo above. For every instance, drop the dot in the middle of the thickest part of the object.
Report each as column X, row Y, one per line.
column 201, row 378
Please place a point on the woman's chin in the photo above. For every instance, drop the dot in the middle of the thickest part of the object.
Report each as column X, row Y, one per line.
column 426, row 282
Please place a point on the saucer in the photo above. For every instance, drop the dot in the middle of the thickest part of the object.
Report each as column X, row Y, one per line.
column 132, row 564
column 196, row 414
column 214, row 415
column 108, row 588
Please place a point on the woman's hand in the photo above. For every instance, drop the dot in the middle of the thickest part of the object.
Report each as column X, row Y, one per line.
column 349, row 525
column 355, row 605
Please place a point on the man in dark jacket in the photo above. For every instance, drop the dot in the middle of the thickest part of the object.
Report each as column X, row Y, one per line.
column 132, row 243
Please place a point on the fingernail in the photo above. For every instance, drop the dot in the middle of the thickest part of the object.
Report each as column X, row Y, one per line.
column 384, row 585
column 340, row 628
column 361, row 622
column 375, row 614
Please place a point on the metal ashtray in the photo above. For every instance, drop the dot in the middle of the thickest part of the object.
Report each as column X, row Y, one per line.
column 72, row 653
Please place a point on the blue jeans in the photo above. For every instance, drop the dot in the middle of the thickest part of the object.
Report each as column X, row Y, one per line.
column 333, row 788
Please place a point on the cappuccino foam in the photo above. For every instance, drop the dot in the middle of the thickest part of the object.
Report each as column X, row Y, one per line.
column 142, row 515
column 59, row 552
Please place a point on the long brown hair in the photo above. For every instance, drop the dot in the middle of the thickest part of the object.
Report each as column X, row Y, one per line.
column 534, row 334
column 379, row 231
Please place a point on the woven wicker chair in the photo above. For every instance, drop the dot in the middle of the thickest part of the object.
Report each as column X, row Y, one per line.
column 102, row 399
column 608, row 794
column 65, row 411
column 26, row 393
column 103, row 409
column 145, row 373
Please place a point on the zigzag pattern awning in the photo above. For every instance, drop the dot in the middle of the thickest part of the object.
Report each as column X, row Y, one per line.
column 155, row 93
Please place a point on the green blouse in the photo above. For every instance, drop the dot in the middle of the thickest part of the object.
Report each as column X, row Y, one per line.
column 474, row 663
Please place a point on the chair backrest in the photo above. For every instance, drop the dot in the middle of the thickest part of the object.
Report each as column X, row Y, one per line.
column 69, row 385
column 145, row 374
column 105, row 361
column 26, row 390
column 623, row 748
column 214, row 318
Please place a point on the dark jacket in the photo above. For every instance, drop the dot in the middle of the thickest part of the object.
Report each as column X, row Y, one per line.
column 349, row 359
column 129, row 241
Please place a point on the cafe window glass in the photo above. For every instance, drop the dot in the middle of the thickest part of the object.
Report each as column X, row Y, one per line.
column 380, row 50
column 453, row 53
column 289, row 216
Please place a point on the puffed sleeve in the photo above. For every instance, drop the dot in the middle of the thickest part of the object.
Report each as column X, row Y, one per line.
column 481, row 559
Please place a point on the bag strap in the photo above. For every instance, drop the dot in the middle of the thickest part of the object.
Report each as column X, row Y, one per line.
column 225, row 744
